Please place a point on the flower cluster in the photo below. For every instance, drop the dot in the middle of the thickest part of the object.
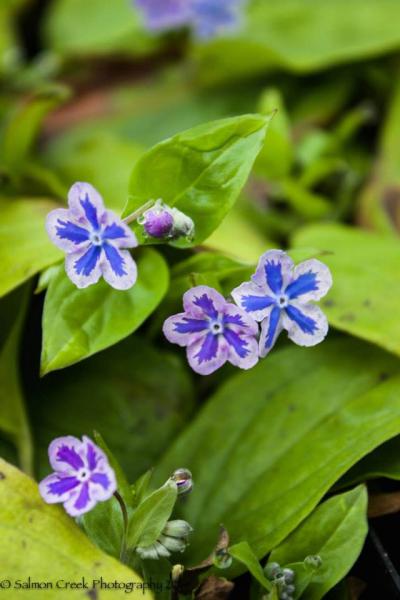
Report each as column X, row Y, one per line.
column 206, row 18
column 82, row 477
column 279, row 295
column 282, row 579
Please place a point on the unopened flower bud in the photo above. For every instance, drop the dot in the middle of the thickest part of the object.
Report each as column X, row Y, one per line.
column 183, row 479
column 222, row 559
column 272, row 570
column 183, row 225
column 313, row 562
column 158, row 221
column 172, row 544
column 177, row 529
column 288, row 575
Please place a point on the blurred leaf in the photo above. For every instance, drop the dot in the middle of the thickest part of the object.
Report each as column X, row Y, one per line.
column 200, row 171
column 336, row 532
column 365, row 296
column 96, row 27
column 244, row 554
column 138, row 398
column 43, row 541
column 151, row 516
column 78, row 323
column 302, row 36
column 25, row 248
column 255, row 449
column 13, row 417
column 103, row 159
column 382, row 462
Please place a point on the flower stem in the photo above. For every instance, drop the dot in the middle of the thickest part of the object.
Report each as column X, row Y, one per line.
column 135, row 215
column 123, row 553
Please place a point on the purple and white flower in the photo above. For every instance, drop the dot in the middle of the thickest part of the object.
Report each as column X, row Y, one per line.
column 207, row 18
column 82, row 476
column 213, row 331
column 94, row 239
column 281, row 296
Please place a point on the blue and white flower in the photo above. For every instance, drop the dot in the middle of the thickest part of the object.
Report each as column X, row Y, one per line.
column 213, row 331
column 281, row 296
column 94, row 239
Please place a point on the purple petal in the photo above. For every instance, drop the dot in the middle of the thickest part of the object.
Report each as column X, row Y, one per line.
column 84, row 266
column 202, row 301
column 86, row 204
column 65, row 454
column 80, row 503
column 253, row 299
column 311, row 281
column 306, row 324
column 183, row 330
column 118, row 232
column 243, row 354
column 238, row 320
column 165, row 14
column 119, row 269
column 208, row 354
column 211, row 17
column 57, row 488
column 270, row 330
column 158, row 223
column 64, row 232
column 274, row 272
column 103, row 485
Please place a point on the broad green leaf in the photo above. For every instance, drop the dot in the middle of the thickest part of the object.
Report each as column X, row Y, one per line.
column 78, row 323
column 301, row 36
column 200, row 171
column 151, row 516
column 42, row 541
column 382, row 462
column 335, row 531
column 244, row 554
column 365, row 295
column 255, row 448
column 76, row 29
column 137, row 397
column 25, row 248
column 13, row 417
column 104, row 526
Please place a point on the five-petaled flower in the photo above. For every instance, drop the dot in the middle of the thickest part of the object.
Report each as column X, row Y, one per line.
column 214, row 331
column 95, row 240
column 207, row 18
column 280, row 296
column 82, row 475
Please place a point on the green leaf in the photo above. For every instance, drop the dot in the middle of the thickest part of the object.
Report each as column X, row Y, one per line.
column 151, row 516
column 13, row 417
column 138, row 398
column 364, row 297
column 301, row 36
column 244, row 554
column 200, row 171
column 104, row 526
column 335, row 531
column 123, row 486
column 25, row 248
column 255, row 448
column 42, row 541
column 78, row 323
column 382, row 462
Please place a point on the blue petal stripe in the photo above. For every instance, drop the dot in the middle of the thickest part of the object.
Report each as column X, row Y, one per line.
column 273, row 274
column 115, row 259
column 90, row 212
column 64, row 484
column 306, row 324
column 69, row 455
column 87, row 262
column 114, row 232
column 91, row 457
column 102, row 479
column 69, row 231
column 307, row 282
column 206, row 303
column 83, row 497
column 272, row 325
column 237, row 343
column 209, row 348
column 253, row 303
column 234, row 320
column 191, row 325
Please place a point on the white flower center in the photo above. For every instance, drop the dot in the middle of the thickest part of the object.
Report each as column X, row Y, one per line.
column 282, row 301
column 95, row 238
column 216, row 327
column 83, row 474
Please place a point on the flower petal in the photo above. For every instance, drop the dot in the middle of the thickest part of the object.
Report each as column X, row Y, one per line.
column 83, row 267
column 203, row 301
column 66, row 454
column 306, row 324
column 118, row 232
column 64, row 232
column 182, row 330
column 253, row 299
column 119, row 269
column 86, row 204
column 81, row 502
column 211, row 17
column 274, row 271
column 238, row 320
column 270, row 330
column 207, row 354
column 103, row 485
column 243, row 349
column 57, row 488
column 312, row 279
column 165, row 14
